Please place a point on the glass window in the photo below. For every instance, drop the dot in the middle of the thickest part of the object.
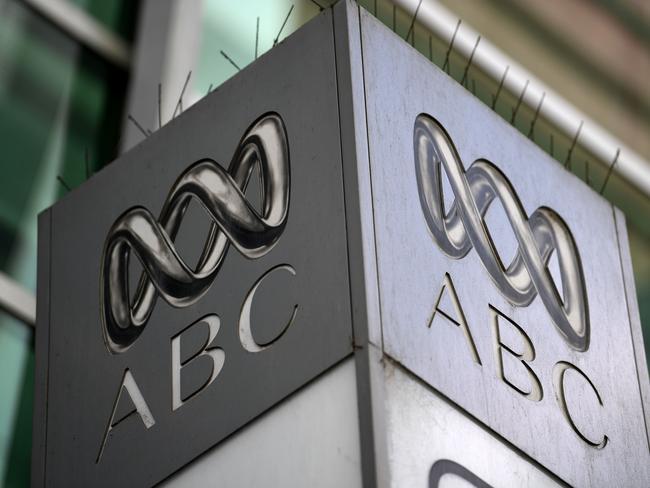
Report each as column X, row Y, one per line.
column 231, row 27
column 60, row 116
column 58, row 102
column 16, row 398
column 117, row 16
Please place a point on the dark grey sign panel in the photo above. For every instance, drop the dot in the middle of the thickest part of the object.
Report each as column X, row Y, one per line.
column 235, row 212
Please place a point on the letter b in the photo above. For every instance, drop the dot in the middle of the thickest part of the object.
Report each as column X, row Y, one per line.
column 215, row 354
column 525, row 357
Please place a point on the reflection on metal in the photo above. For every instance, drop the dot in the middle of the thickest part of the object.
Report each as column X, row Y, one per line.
column 245, row 333
column 446, row 467
column 215, row 354
column 234, row 220
column 524, row 357
column 463, row 228
column 140, row 407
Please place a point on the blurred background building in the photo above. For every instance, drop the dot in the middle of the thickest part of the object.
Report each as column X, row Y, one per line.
column 83, row 80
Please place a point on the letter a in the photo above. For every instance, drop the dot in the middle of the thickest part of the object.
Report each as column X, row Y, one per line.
column 461, row 321
column 138, row 405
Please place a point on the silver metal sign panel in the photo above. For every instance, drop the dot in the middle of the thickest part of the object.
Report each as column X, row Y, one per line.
column 198, row 280
column 433, row 444
column 500, row 274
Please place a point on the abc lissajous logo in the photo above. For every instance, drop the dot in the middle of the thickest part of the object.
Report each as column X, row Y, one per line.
column 461, row 228
column 234, row 222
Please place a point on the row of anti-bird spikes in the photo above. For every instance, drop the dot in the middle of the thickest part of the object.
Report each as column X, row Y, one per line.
column 178, row 109
column 446, row 67
column 531, row 131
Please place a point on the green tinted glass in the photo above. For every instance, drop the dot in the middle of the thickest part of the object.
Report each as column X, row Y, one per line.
column 16, row 387
column 60, row 114
column 58, row 102
column 117, row 16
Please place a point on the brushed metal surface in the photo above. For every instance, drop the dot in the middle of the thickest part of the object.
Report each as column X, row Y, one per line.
column 400, row 85
column 462, row 227
column 432, row 444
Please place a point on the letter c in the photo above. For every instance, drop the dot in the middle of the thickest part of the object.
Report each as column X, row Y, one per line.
column 559, row 371
column 245, row 334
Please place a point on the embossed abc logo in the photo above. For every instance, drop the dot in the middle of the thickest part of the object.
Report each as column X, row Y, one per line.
column 461, row 228
column 234, row 221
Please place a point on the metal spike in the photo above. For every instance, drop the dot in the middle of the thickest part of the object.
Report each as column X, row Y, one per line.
column 257, row 36
column 451, row 45
column 552, row 150
column 118, row 145
column 180, row 99
column 567, row 161
column 519, row 100
column 534, row 121
column 135, row 122
column 230, row 60
column 87, row 163
column 415, row 15
column 209, row 89
column 159, row 105
column 62, row 181
column 503, row 79
column 610, row 170
column 473, row 87
column 318, row 5
column 469, row 62
column 283, row 24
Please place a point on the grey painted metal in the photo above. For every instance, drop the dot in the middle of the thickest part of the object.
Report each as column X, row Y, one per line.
column 309, row 440
column 84, row 378
column 457, row 351
column 41, row 349
column 17, row 301
column 560, row 112
column 84, row 29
